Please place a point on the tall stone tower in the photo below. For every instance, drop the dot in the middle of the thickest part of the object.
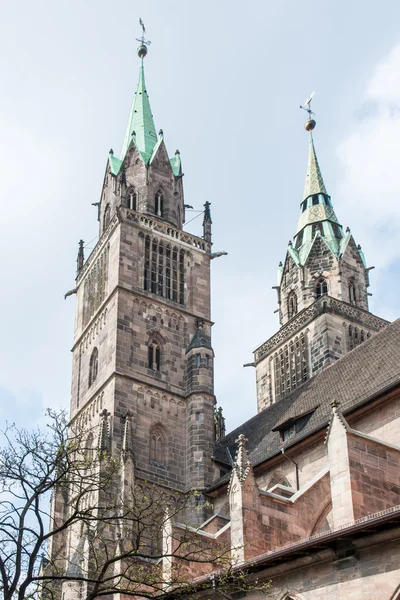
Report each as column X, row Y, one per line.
column 322, row 296
column 142, row 354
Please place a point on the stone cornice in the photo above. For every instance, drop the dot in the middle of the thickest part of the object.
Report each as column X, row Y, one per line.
column 325, row 304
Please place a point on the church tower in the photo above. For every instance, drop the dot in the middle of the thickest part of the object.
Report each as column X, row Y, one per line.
column 322, row 295
column 142, row 354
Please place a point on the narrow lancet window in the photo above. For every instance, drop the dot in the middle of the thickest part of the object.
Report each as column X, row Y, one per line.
column 93, row 366
column 107, row 216
column 132, row 199
column 352, row 292
column 292, row 305
column 159, row 204
column 154, row 355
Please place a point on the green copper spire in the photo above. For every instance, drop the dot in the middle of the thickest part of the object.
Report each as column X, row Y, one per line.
column 140, row 122
column 314, row 182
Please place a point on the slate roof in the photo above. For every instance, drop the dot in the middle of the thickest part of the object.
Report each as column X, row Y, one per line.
column 360, row 375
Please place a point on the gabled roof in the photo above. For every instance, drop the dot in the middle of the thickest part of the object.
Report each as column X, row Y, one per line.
column 360, row 375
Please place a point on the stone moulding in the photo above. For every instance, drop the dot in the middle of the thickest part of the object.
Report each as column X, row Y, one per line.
column 325, row 304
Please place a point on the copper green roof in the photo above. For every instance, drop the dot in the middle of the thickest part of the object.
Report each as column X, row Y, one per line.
column 115, row 164
column 141, row 121
column 314, row 182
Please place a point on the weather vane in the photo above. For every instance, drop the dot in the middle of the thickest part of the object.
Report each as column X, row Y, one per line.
column 310, row 124
column 143, row 40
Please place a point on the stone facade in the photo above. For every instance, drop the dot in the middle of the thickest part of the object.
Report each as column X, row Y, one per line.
column 307, row 493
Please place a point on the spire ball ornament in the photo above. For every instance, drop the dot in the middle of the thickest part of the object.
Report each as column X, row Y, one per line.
column 309, row 125
column 142, row 51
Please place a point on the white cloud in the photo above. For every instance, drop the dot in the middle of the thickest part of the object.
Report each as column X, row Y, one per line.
column 369, row 191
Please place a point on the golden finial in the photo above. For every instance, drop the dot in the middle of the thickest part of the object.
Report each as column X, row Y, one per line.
column 310, row 124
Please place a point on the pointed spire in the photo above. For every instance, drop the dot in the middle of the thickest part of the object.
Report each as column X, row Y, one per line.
column 127, row 445
column 314, row 182
column 104, row 432
column 242, row 464
column 81, row 257
column 140, row 122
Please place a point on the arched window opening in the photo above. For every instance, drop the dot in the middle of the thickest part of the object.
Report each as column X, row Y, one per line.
column 132, row 199
column 291, row 367
column 321, row 288
column 292, row 304
column 157, row 446
column 107, row 216
column 154, row 355
column 352, row 292
column 317, row 227
column 93, row 366
column 299, row 239
column 164, row 270
column 159, row 204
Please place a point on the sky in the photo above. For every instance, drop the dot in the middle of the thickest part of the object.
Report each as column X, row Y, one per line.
column 225, row 81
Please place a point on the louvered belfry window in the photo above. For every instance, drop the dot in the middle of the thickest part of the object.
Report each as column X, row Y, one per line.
column 164, row 270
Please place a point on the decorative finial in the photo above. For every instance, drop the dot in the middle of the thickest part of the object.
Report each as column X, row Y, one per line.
column 142, row 50
column 111, row 151
column 310, row 124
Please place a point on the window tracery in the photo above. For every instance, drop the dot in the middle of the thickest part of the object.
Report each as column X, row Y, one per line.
column 352, row 292
column 291, row 366
column 356, row 336
column 321, row 287
column 154, row 355
column 132, row 199
column 158, row 449
column 164, row 270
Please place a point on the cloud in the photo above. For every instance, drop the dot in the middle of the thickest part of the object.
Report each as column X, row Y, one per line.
column 369, row 190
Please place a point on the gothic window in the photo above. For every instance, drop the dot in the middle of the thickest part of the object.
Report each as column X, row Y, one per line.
column 107, row 216
column 132, row 199
column 337, row 232
column 292, row 304
column 164, row 270
column 198, row 360
column 315, row 199
column 159, row 204
column 299, row 238
column 291, row 367
column 95, row 286
column 157, row 445
column 321, row 288
column 352, row 292
column 93, row 366
column 316, row 227
column 154, row 355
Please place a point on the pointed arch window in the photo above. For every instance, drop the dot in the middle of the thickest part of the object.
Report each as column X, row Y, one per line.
column 154, row 355
column 107, row 216
column 158, row 448
column 159, row 204
column 321, row 287
column 90, row 447
column 93, row 366
column 292, row 304
column 352, row 292
column 164, row 270
column 132, row 199
column 317, row 227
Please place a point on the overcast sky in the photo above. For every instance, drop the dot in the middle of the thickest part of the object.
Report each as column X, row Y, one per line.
column 225, row 80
